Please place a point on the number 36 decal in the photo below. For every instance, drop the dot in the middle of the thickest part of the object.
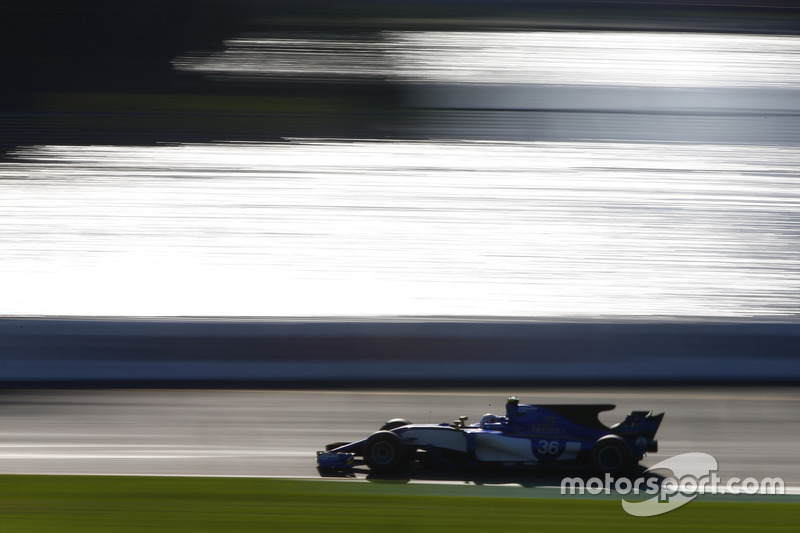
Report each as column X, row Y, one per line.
column 548, row 447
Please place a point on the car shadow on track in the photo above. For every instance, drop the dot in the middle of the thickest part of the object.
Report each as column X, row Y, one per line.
column 530, row 477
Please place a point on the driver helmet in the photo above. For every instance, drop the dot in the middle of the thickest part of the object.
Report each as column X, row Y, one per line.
column 489, row 418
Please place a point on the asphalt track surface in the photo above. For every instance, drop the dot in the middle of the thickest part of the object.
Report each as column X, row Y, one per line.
column 751, row 432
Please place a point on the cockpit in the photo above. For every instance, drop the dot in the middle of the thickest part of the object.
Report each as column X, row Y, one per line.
column 492, row 421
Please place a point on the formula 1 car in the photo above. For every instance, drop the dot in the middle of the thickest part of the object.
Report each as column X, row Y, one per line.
column 527, row 435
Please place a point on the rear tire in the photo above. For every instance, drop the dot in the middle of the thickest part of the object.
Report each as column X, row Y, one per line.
column 612, row 455
column 383, row 452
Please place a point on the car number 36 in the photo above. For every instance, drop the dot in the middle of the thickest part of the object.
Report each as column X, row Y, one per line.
column 548, row 447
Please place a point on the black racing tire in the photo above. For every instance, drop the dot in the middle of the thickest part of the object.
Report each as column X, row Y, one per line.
column 384, row 452
column 612, row 455
column 394, row 423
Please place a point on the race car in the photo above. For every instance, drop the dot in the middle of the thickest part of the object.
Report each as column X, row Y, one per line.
column 527, row 435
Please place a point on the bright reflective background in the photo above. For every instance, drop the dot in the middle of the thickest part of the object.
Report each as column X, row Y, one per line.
column 541, row 57
column 314, row 227
column 548, row 173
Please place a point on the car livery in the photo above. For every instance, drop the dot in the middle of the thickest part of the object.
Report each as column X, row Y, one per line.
column 527, row 435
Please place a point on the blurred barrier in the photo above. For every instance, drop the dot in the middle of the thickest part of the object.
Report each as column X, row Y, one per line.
column 190, row 352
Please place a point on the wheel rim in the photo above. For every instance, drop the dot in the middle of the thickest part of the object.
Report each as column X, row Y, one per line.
column 382, row 453
column 610, row 458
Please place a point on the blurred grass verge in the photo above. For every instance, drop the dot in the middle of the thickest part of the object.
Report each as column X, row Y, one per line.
column 111, row 503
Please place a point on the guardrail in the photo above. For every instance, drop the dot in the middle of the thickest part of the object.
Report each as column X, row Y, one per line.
column 404, row 352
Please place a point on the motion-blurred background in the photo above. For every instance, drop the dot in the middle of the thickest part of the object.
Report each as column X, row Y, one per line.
column 399, row 191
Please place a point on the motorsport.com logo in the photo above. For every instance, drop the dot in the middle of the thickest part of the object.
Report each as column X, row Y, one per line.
column 693, row 474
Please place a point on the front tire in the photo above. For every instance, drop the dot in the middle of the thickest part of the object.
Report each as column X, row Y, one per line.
column 612, row 455
column 383, row 452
